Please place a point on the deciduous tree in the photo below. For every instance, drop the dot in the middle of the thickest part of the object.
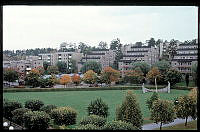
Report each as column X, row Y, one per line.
column 154, row 73
column 10, row 75
column 90, row 77
column 65, row 79
column 76, row 79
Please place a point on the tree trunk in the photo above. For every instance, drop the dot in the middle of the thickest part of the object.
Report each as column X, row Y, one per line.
column 160, row 125
column 186, row 121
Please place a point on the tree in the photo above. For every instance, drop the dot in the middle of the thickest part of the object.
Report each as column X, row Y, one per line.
column 40, row 69
column 90, row 77
column 65, row 79
column 116, row 46
column 85, row 49
column 187, row 79
column 139, row 44
column 172, row 49
column 151, row 42
column 52, row 70
column 186, row 107
column 193, row 95
column 130, row 111
column 110, row 75
column 103, row 45
column 142, row 65
column 32, row 78
column 154, row 73
column 173, row 76
column 162, row 66
column 91, row 65
column 162, row 111
column 153, row 98
column 134, row 76
column 76, row 79
column 62, row 67
column 194, row 72
column 74, row 68
column 10, row 75
column 45, row 65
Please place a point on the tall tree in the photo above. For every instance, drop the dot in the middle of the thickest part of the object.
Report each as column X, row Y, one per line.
column 91, row 65
column 62, row 67
column 139, row 44
column 142, row 65
column 103, row 45
column 172, row 49
column 52, row 70
column 116, row 46
column 90, row 77
column 162, row 111
column 151, row 42
column 10, row 75
column 130, row 111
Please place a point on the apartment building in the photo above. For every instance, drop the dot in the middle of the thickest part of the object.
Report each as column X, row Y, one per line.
column 132, row 53
column 54, row 58
column 185, row 57
column 105, row 57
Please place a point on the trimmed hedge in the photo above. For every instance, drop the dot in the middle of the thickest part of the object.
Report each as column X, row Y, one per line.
column 8, row 107
column 64, row 116
column 48, row 108
column 34, row 105
column 36, row 120
column 18, row 115
column 118, row 125
column 94, row 120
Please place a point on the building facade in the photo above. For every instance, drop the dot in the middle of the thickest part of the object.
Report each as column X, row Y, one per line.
column 131, row 53
column 185, row 57
column 105, row 57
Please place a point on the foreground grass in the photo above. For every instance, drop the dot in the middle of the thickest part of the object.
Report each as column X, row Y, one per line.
column 79, row 100
column 190, row 126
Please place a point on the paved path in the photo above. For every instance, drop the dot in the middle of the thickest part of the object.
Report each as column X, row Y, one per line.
column 154, row 125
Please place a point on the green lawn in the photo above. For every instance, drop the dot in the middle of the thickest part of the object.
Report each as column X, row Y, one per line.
column 183, row 83
column 190, row 126
column 79, row 100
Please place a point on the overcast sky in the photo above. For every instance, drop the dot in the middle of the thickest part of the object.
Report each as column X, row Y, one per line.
column 26, row 27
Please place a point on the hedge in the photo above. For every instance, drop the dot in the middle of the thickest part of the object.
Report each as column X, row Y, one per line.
column 118, row 125
column 34, row 105
column 94, row 120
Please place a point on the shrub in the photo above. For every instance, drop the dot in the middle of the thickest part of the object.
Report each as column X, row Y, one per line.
column 98, row 107
column 64, row 116
column 88, row 127
column 134, row 77
column 36, row 120
column 130, row 111
column 18, row 115
column 34, row 105
column 8, row 107
column 152, row 99
column 155, row 73
column 94, row 120
column 47, row 108
column 118, row 125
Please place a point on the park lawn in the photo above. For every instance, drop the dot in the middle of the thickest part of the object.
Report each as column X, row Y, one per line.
column 79, row 100
column 192, row 125
column 183, row 83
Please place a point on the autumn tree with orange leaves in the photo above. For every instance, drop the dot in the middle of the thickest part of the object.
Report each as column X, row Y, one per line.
column 110, row 75
column 90, row 77
column 64, row 80
column 154, row 73
column 76, row 79
column 40, row 69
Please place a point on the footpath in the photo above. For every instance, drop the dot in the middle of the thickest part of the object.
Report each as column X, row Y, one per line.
column 154, row 125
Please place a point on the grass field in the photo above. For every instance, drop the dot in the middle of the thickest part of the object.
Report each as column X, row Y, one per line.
column 79, row 100
column 190, row 126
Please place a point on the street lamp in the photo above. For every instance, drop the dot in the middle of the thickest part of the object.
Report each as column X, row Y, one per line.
column 11, row 128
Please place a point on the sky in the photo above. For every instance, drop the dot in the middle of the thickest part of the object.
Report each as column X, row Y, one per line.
column 26, row 27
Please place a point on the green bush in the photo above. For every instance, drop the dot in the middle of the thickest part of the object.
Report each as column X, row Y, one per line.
column 34, row 105
column 64, row 116
column 36, row 120
column 88, row 127
column 48, row 108
column 8, row 107
column 118, row 125
column 173, row 76
column 18, row 115
column 98, row 107
column 150, row 101
column 93, row 119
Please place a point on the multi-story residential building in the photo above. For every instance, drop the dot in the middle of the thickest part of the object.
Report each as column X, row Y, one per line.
column 186, row 55
column 105, row 57
column 133, row 53
column 66, row 57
